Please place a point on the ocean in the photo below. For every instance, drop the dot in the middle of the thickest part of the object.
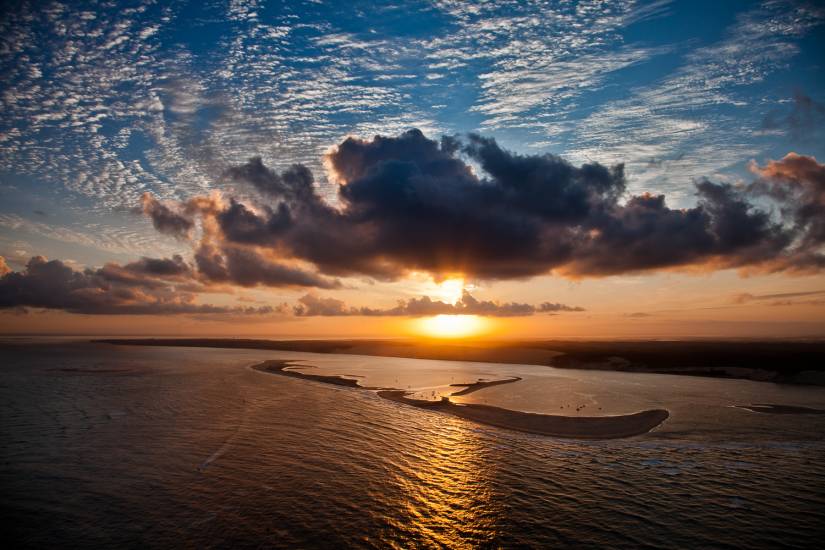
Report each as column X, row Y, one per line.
column 155, row 447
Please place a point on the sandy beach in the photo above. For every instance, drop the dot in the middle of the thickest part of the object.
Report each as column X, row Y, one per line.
column 595, row 427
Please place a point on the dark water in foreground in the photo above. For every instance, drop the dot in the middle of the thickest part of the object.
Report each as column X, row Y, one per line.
column 163, row 447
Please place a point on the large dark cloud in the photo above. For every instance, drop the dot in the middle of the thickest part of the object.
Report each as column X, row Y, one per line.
column 409, row 203
column 141, row 287
column 312, row 305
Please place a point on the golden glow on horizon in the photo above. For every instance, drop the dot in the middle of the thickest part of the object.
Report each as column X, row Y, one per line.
column 451, row 326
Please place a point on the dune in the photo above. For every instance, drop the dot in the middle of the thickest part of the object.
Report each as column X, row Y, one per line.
column 593, row 427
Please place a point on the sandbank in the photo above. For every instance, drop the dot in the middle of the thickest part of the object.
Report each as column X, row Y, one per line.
column 281, row 367
column 594, row 427
column 481, row 384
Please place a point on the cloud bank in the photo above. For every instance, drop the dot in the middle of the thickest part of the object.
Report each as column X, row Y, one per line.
column 811, row 297
column 311, row 305
column 145, row 287
column 455, row 206
column 164, row 286
column 409, row 203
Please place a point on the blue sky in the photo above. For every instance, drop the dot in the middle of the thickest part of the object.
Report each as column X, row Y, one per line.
column 101, row 102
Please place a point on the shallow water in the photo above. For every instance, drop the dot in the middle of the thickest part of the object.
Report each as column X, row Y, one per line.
column 137, row 446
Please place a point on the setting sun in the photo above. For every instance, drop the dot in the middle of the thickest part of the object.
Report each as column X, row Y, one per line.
column 451, row 326
column 450, row 290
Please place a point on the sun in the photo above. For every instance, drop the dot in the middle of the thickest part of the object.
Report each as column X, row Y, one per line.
column 451, row 326
column 450, row 290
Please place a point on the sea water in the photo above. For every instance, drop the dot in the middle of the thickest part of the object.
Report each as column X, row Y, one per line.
column 156, row 447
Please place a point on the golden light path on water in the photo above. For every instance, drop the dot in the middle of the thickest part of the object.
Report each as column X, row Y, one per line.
column 448, row 488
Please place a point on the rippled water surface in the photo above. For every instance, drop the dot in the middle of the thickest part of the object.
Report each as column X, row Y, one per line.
column 159, row 447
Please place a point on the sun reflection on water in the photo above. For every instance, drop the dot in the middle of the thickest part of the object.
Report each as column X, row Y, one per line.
column 450, row 489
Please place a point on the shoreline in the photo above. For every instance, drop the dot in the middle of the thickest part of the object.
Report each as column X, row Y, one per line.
column 571, row 427
column 784, row 363
column 770, row 408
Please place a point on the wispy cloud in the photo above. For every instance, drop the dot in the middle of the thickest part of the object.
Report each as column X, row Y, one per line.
column 533, row 59
column 678, row 121
column 811, row 297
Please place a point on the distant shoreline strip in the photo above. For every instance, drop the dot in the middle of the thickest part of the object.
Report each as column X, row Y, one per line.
column 770, row 408
column 594, row 427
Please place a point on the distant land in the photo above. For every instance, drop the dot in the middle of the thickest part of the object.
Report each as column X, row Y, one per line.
column 779, row 362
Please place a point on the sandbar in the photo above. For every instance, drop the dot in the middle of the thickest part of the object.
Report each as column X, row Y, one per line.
column 593, row 427
column 281, row 367
column 578, row 427
column 481, row 384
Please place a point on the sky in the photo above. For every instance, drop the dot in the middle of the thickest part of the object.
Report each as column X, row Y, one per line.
column 318, row 169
